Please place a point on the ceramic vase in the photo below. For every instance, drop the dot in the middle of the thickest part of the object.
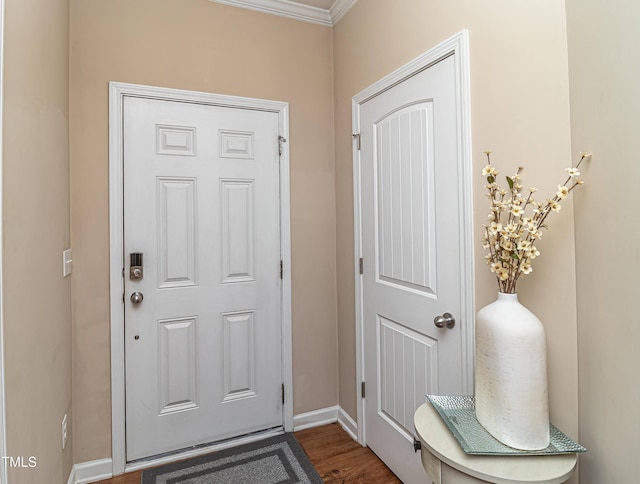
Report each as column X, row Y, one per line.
column 511, row 374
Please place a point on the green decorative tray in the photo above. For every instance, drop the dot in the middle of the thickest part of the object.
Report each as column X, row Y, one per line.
column 459, row 415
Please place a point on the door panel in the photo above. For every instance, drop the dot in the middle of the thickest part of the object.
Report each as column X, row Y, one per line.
column 178, row 357
column 203, row 348
column 237, row 231
column 176, row 232
column 411, row 250
column 407, row 362
column 404, row 194
column 239, row 356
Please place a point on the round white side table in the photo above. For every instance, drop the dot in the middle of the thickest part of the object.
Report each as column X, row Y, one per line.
column 446, row 462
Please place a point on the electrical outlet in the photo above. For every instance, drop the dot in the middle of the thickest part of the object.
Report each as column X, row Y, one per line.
column 64, row 431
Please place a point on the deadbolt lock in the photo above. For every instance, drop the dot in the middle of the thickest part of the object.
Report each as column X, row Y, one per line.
column 135, row 266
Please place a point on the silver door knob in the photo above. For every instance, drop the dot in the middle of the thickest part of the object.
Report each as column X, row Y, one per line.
column 446, row 320
column 136, row 297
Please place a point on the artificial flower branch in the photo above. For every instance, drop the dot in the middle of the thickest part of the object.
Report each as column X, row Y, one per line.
column 515, row 223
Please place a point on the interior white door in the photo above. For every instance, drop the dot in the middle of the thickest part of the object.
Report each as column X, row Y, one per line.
column 411, row 248
column 203, row 348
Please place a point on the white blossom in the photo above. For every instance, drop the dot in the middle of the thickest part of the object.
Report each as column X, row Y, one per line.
column 562, row 192
column 573, row 172
column 489, row 171
column 526, row 268
column 553, row 205
column 514, row 223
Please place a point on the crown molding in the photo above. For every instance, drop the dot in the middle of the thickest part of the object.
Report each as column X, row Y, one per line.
column 339, row 9
column 295, row 10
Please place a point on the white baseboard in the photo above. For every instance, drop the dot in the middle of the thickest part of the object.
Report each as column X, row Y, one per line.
column 315, row 418
column 324, row 416
column 348, row 424
column 91, row 471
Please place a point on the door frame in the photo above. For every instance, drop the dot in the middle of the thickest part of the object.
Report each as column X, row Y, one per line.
column 117, row 93
column 457, row 45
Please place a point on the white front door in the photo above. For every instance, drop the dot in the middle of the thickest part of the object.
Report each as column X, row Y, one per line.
column 411, row 249
column 203, row 350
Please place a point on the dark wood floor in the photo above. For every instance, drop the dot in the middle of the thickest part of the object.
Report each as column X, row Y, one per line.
column 335, row 455
column 340, row 459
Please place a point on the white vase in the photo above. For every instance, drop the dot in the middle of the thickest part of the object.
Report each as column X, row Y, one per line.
column 511, row 374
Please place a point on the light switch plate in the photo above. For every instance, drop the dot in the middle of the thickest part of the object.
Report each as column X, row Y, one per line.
column 66, row 262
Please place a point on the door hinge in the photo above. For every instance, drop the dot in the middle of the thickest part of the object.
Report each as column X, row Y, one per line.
column 362, row 392
column 281, row 139
column 283, row 393
column 417, row 445
column 356, row 136
column 361, row 265
column 281, row 270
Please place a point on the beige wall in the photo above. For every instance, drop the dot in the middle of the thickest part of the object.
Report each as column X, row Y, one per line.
column 605, row 116
column 37, row 300
column 520, row 110
column 202, row 46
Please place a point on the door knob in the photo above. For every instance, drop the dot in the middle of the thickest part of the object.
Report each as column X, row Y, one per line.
column 446, row 320
column 136, row 297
